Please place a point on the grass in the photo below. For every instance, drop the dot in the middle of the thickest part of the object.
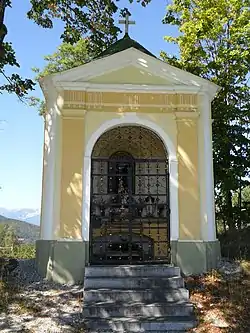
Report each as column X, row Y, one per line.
column 227, row 301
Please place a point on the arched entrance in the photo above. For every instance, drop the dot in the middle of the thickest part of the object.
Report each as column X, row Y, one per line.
column 130, row 215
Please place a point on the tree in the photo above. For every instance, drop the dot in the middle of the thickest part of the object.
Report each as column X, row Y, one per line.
column 2, row 233
column 8, row 236
column 214, row 44
column 15, row 84
column 82, row 18
column 66, row 57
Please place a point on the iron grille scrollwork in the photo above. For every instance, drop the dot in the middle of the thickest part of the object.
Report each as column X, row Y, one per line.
column 130, row 200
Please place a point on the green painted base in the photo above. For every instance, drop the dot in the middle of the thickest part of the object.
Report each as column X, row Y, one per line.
column 62, row 261
column 65, row 261
column 195, row 257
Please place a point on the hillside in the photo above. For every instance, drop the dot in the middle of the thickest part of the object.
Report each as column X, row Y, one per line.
column 29, row 232
column 25, row 214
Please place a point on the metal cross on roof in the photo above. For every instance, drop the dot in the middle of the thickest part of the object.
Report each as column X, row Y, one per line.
column 127, row 22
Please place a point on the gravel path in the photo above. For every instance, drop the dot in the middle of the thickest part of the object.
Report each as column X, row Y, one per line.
column 41, row 306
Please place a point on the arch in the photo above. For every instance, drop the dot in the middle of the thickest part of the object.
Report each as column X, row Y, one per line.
column 149, row 143
column 132, row 120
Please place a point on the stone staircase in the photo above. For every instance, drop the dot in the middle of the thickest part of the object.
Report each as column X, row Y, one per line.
column 136, row 299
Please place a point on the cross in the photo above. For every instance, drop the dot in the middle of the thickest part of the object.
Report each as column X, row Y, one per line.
column 127, row 23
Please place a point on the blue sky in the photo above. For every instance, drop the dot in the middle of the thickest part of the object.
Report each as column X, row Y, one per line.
column 21, row 129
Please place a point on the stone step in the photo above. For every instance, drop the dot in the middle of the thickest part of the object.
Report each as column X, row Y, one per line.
column 132, row 270
column 135, row 310
column 132, row 325
column 146, row 295
column 133, row 282
column 141, row 331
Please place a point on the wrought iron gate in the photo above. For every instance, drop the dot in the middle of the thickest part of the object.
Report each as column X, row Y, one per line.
column 129, row 210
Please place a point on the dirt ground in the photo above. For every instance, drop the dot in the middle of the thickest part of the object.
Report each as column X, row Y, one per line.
column 221, row 304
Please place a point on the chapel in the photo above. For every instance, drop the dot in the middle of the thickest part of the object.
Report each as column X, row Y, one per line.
column 127, row 166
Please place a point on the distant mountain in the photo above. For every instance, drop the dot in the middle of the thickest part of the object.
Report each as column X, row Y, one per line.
column 28, row 232
column 27, row 214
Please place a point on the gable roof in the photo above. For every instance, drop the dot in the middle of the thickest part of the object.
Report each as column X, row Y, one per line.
column 123, row 44
column 123, row 54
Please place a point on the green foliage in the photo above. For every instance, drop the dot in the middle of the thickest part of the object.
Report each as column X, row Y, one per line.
column 66, row 57
column 11, row 247
column 8, row 236
column 15, row 84
column 245, row 197
column 24, row 251
column 92, row 19
column 26, row 231
column 214, row 44
column 89, row 19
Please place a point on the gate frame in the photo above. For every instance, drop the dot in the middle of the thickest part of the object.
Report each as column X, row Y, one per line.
column 165, row 226
column 131, row 119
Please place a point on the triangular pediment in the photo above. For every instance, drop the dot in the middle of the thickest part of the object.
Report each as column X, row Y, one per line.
column 131, row 67
column 130, row 75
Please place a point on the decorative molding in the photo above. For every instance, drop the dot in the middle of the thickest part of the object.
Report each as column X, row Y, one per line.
column 125, row 87
column 129, row 101
column 148, row 145
column 133, row 57
column 94, row 100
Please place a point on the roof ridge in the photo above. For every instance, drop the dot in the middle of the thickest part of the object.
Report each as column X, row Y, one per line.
column 123, row 44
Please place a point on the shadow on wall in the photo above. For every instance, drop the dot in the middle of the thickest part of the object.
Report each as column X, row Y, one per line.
column 71, row 178
column 189, row 193
column 71, row 209
column 71, row 206
column 196, row 257
column 191, row 257
column 63, row 262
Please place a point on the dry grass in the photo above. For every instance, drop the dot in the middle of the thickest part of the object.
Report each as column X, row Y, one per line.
column 220, row 302
column 8, row 293
column 26, row 306
column 246, row 267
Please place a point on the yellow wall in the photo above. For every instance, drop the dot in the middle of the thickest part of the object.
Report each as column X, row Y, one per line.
column 71, row 178
column 77, row 131
column 189, row 199
column 129, row 75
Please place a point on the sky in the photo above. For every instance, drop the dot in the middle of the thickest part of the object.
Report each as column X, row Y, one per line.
column 21, row 128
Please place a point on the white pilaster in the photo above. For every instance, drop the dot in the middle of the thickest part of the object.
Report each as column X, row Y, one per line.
column 86, row 197
column 206, row 175
column 50, row 210
column 174, row 199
